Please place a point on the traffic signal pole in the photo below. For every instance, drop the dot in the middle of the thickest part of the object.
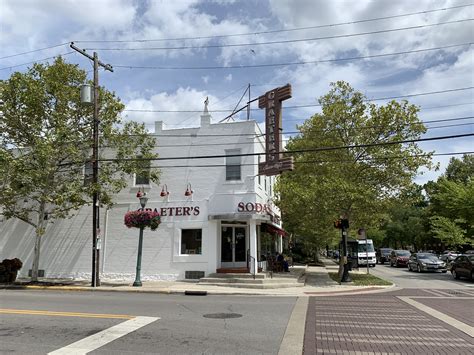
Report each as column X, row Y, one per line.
column 343, row 225
column 345, row 272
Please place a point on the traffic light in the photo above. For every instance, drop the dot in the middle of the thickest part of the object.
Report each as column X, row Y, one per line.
column 341, row 223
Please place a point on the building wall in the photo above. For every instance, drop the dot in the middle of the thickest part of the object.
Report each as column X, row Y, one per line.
column 67, row 246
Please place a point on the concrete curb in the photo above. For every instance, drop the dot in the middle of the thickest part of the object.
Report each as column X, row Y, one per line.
column 191, row 291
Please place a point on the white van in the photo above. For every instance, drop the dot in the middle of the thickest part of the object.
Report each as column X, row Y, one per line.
column 364, row 254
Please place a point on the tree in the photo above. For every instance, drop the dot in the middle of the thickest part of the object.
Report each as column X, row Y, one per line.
column 46, row 141
column 330, row 179
column 460, row 170
column 452, row 208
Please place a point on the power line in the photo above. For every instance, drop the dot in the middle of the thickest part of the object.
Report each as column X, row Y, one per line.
column 254, row 135
column 315, row 161
column 297, row 132
column 275, row 31
column 313, row 39
column 36, row 61
column 292, row 63
column 311, row 105
column 368, row 145
column 244, row 34
column 34, row 50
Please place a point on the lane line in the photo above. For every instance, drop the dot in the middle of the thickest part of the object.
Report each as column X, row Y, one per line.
column 465, row 328
column 63, row 314
column 104, row 337
column 292, row 342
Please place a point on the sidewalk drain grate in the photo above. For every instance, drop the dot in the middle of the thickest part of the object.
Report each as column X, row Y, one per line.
column 222, row 315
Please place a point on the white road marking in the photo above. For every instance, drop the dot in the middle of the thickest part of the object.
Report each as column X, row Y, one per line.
column 441, row 316
column 104, row 337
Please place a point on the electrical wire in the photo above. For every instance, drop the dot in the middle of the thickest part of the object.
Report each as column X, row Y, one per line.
column 312, row 105
column 244, row 34
column 292, row 63
column 368, row 145
column 296, row 162
column 33, row 51
column 295, row 132
column 37, row 61
column 276, row 31
column 253, row 44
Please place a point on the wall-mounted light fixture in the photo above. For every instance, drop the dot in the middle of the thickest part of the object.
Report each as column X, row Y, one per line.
column 164, row 191
column 189, row 191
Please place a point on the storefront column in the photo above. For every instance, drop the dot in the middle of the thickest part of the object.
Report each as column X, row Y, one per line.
column 253, row 246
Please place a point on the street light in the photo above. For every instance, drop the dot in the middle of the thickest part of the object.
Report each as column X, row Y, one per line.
column 143, row 200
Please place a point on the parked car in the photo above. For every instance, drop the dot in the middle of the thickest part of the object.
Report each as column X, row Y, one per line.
column 426, row 262
column 382, row 255
column 448, row 257
column 462, row 266
column 399, row 258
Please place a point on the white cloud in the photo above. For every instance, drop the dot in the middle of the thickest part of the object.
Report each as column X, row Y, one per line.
column 184, row 99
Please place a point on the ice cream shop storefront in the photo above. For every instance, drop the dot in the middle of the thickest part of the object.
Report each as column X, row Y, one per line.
column 221, row 234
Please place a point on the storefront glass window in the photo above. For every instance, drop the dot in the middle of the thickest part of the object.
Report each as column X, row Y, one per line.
column 191, row 241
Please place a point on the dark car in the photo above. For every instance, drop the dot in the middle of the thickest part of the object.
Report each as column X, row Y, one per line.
column 382, row 255
column 426, row 262
column 462, row 266
column 399, row 258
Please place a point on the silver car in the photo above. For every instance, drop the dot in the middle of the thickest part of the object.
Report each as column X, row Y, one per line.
column 426, row 262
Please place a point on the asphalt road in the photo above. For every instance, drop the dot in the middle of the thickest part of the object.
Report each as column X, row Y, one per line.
column 409, row 279
column 32, row 322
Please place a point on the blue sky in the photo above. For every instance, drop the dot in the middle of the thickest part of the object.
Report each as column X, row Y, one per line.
column 27, row 25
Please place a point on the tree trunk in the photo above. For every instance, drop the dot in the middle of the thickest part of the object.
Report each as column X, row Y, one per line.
column 39, row 233
column 35, row 267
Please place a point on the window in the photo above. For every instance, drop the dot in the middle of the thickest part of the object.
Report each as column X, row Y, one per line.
column 142, row 177
column 88, row 172
column 191, row 241
column 232, row 165
column 258, row 168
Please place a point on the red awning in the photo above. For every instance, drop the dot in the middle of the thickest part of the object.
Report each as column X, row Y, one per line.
column 273, row 229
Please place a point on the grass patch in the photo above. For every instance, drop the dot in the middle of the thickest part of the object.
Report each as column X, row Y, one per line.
column 363, row 279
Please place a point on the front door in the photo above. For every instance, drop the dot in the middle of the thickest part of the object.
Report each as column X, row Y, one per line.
column 233, row 246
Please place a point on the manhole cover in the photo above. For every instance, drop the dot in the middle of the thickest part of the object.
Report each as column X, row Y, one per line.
column 222, row 315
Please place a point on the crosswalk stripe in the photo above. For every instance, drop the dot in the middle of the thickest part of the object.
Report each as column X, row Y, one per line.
column 104, row 337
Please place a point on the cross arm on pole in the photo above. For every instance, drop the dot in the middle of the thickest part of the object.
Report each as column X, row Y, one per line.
column 84, row 53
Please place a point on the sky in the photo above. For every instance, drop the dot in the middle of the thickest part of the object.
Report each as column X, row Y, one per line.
column 168, row 56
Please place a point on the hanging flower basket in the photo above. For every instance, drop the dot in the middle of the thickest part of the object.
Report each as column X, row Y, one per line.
column 143, row 219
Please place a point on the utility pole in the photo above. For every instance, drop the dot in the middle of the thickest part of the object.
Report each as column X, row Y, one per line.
column 96, row 244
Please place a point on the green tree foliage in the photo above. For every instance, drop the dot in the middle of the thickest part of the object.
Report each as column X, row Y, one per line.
column 46, row 139
column 452, row 203
column 358, row 182
column 460, row 170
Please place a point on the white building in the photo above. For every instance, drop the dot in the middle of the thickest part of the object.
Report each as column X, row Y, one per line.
column 219, row 225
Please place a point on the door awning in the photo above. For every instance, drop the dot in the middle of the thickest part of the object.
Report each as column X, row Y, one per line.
column 269, row 228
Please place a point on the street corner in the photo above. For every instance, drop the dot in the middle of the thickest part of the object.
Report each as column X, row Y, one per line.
column 350, row 290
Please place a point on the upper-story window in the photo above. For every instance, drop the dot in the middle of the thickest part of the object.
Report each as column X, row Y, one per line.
column 233, row 165
column 142, row 177
column 258, row 168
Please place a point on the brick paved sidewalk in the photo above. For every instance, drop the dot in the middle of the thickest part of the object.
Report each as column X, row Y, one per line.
column 382, row 324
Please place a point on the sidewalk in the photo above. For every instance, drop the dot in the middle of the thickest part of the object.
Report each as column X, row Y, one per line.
column 317, row 283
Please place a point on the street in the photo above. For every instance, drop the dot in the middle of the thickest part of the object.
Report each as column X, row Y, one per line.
column 424, row 314
column 401, row 277
column 186, row 324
